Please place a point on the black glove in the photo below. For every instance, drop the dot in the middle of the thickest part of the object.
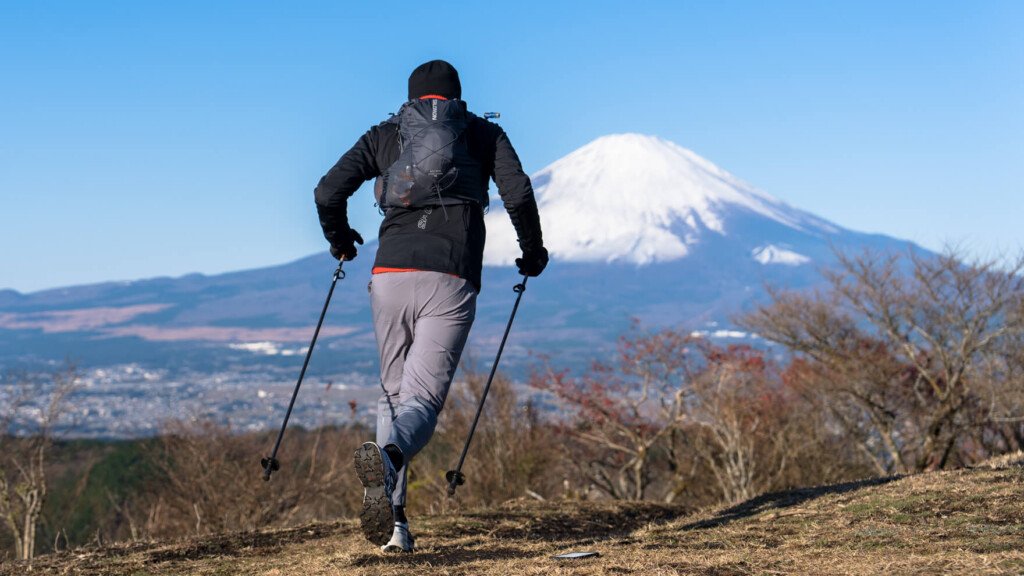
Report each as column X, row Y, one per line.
column 344, row 245
column 533, row 262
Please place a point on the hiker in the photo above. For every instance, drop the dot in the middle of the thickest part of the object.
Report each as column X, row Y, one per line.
column 432, row 161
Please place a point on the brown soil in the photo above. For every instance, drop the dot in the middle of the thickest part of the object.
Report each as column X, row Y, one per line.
column 955, row 522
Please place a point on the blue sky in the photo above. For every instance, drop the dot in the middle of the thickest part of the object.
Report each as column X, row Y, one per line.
column 143, row 139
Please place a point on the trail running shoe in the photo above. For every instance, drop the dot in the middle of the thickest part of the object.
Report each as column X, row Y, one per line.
column 378, row 477
column 401, row 540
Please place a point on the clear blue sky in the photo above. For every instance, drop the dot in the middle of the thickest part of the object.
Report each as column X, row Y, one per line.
column 143, row 139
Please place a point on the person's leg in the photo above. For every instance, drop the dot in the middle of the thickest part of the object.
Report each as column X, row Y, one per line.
column 438, row 309
column 393, row 321
column 445, row 309
column 392, row 307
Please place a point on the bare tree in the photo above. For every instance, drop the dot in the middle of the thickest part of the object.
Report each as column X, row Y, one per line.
column 31, row 411
column 739, row 420
column 895, row 346
column 1000, row 405
column 841, row 371
column 625, row 407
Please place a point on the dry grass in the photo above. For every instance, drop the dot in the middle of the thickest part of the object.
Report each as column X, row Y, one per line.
column 964, row 521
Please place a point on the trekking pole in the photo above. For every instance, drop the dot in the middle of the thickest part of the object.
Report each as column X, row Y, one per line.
column 270, row 463
column 456, row 477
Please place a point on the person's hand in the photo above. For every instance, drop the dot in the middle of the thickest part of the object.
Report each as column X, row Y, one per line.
column 533, row 262
column 344, row 245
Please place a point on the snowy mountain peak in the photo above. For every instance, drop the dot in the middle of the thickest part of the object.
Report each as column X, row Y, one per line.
column 640, row 199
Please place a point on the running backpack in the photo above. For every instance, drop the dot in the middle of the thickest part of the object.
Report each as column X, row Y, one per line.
column 434, row 167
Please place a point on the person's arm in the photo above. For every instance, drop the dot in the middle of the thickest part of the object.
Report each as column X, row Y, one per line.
column 516, row 193
column 332, row 193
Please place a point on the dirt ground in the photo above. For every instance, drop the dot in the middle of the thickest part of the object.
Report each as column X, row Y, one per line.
column 956, row 522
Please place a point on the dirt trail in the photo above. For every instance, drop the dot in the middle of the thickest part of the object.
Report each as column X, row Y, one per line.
column 964, row 521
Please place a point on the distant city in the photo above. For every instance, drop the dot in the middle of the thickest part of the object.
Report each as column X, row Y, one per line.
column 131, row 401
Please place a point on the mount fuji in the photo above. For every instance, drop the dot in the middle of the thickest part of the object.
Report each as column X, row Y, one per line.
column 643, row 200
column 637, row 227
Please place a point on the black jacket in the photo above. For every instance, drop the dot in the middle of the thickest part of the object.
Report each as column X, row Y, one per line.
column 447, row 240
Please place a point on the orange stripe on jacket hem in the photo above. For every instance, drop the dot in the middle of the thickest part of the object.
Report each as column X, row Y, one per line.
column 384, row 270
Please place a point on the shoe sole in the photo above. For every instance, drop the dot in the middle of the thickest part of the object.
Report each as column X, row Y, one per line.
column 377, row 516
column 393, row 549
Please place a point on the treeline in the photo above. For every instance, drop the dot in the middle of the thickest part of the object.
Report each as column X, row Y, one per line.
column 899, row 363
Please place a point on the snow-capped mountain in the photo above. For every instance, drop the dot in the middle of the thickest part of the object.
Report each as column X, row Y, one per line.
column 639, row 228
column 637, row 199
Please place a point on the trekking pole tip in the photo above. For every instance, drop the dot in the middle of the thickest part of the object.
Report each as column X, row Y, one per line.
column 269, row 466
column 454, row 478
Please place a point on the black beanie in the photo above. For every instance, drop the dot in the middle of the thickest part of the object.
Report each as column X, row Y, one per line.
column 435, row 77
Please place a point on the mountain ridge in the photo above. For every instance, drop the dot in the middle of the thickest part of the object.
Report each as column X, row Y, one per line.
column 705, row 249
column 234, row 336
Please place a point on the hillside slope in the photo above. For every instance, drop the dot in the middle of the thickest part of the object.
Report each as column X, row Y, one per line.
column 965, row 522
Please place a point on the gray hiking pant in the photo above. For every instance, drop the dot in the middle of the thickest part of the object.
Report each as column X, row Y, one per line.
column 422, row 321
